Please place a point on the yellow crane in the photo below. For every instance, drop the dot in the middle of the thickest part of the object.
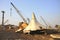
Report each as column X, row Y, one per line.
column 22, row 25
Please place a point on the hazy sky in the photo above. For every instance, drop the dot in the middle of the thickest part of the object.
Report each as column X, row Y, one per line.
column 48, row 9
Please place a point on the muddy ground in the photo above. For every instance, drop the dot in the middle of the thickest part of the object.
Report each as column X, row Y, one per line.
column 21, row 36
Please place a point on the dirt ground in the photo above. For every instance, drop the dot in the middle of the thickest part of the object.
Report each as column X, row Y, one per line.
column 20, row 36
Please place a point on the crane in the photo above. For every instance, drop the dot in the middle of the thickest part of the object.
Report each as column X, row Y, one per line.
column 45, row 22
column 23, row 24
column 28, row 20
column 6, row 21
column 19, row 13
column 3, row 17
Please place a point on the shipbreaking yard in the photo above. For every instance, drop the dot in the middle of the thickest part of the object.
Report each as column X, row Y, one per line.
column 28, row 31
column 31, row 31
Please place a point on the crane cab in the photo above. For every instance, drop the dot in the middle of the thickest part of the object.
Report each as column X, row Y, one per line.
column 22, row 25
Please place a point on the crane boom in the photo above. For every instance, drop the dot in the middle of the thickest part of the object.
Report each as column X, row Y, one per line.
column 19, row 13
column 5, row 21
column 28, row 20
column 44, row 21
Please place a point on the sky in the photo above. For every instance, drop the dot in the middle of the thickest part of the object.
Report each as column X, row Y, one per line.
column 48, row 9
